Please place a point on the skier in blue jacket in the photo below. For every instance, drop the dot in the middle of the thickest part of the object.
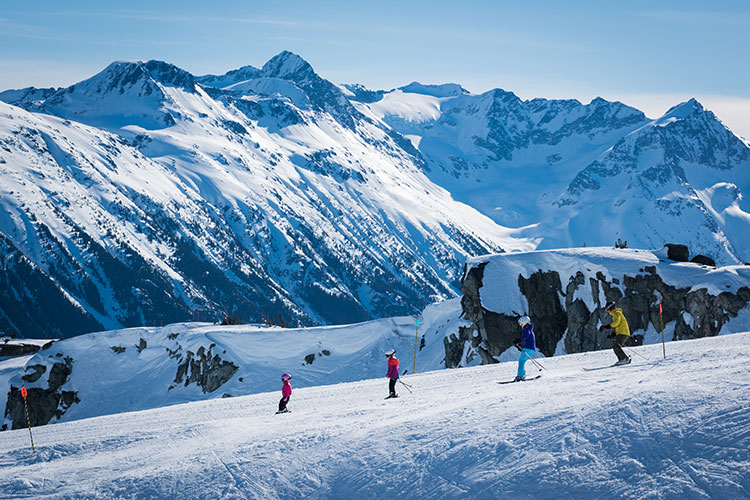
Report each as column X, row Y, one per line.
column 526, row 344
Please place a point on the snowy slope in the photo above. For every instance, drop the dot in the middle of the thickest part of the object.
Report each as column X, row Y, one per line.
column 660, row 429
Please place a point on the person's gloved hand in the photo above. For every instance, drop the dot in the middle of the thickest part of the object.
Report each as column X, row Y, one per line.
column 603, row 327
column 611, row 336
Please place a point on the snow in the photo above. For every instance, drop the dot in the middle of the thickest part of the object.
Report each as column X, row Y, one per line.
column 408, row 106
column 657, row 429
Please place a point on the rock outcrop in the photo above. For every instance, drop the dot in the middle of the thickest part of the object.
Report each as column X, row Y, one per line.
column 567, row 307
column 20, row 348
column 43, row 404
column 205, row 369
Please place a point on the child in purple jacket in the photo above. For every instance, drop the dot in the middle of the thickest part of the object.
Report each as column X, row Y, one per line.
column 286, row 393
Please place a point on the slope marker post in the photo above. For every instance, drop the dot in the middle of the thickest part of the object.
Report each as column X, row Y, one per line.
column 661, row 320
column 24, row 393
column 416, row 336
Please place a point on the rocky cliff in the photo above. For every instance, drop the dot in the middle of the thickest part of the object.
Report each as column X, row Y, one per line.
column 564, row 293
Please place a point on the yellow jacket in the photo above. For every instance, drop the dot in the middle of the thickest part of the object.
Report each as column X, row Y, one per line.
column 619, row 323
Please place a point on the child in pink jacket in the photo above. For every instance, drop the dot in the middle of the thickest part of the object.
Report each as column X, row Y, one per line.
column 286, row 393
column 392, row 372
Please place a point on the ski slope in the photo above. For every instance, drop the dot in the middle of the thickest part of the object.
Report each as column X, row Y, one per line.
column 659, row 429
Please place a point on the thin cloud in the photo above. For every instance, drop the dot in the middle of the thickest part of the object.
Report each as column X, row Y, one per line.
column 699, row 17
column 137, row 15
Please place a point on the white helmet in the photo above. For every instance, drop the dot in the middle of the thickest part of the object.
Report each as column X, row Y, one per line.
column 524, row 320
column 390, row 352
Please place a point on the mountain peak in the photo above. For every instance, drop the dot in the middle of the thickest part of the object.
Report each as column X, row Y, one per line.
column 123, row 73
column 288, row 66
column 683, row 110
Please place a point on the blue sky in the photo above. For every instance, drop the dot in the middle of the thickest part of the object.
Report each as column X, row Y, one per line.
column 645, row 53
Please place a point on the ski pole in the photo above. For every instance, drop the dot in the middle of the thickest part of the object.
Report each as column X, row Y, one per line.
column 407, row 386
column 535, row 362
column 630, row 351
column 539, row 366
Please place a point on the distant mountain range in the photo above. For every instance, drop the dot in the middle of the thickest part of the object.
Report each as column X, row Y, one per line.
column 147, row 195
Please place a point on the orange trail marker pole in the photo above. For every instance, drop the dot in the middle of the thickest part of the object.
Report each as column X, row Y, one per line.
column 661, row 320
column 24, row 393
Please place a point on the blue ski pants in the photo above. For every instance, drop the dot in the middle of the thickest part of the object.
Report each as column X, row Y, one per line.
column 525, row 355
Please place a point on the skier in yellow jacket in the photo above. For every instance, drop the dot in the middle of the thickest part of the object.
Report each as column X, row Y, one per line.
column 622, row 332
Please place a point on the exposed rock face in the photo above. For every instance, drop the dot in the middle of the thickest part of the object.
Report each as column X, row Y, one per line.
column 546, row 310
column 491, row 333
column 37, row 372
column 20, row 349
column 704, row 260
column 43, row 404
column 558, row 311
column 205, row 369
column 679, row 253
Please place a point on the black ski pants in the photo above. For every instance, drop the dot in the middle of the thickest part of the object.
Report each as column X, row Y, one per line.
column 392, row 385
column 617, row 347
column 282, row 404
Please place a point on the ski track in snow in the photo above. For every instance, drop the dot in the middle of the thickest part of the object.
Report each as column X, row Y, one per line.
column 658, row 429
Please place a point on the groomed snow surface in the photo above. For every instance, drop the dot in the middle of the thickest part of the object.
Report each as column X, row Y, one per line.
column 658, row 429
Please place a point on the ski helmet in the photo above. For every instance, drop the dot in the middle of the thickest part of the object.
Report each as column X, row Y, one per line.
column 390, row 352
column 610, row 305
column 524, row 320
column 286, row 377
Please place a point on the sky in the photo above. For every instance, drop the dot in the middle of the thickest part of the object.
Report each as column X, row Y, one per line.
column 648, row 54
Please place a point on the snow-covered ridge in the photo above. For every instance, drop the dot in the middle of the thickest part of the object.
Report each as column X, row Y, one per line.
column 140, row 368
column 661, row 429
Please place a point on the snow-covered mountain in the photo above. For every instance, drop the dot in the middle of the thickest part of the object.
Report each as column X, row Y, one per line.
column 144, row 194
column 683, row 173
column 141, row 196
column 665, row 429
column 577, row 174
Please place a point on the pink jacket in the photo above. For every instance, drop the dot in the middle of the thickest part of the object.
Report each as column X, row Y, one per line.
column 286, row 389
column 392, row 367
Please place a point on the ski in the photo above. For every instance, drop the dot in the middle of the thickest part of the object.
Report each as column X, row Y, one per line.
column 604, row 367
column 513, row 381
column 283, row 411
column 390, row 397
